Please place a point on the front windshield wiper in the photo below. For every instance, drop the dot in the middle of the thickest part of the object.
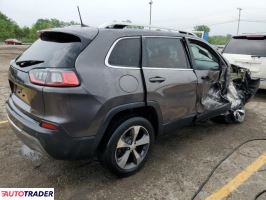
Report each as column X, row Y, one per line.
column 26, row 63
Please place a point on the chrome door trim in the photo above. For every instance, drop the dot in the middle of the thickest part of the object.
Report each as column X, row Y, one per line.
column 110, row 51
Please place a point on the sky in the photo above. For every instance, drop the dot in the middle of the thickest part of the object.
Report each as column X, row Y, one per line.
column 221, row 16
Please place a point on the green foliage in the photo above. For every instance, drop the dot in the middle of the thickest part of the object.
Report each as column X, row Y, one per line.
column 219, row 39
column 9, row 28
column 51, row 23
column 202, row 28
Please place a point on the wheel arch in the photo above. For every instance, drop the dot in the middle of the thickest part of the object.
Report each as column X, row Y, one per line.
column 150, row 111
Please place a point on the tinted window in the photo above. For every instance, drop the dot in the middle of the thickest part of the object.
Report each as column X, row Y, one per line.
column 256, row 47
column 53, row 52
column 164, row 53
column 203, row 57
column 126, row 53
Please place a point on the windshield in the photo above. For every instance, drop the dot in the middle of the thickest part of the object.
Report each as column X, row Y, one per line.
column 51, row 52
column 256, row 47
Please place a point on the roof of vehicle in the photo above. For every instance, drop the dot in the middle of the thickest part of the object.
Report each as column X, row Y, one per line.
column 141, row 32
column 141, row 27
column 90, row 32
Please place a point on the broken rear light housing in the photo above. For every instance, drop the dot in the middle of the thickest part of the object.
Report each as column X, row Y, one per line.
column 54, row 77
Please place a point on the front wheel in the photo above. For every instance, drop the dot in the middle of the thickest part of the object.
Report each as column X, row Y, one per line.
column 129, row 146
column 239, row 115
column 236, row 116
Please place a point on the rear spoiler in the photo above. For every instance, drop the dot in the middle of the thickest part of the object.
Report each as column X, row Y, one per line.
column 81, row 34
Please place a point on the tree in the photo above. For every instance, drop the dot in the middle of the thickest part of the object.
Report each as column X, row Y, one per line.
column 9, row 28
column 219, row 39
column 202, row 28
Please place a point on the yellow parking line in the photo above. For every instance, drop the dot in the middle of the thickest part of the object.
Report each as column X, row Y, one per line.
column 3, row 122
column 239, row 179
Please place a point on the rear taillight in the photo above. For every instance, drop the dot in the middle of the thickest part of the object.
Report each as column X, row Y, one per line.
column 48, row 125
column 54, row 77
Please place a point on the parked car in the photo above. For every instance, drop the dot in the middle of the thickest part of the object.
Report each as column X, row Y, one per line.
column 13, row 42
column 79, row 92
column 248, row 51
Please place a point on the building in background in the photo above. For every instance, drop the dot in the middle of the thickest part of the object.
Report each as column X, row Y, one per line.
column 202, row 34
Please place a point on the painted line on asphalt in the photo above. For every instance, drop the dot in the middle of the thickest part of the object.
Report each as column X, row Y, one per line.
column 227, row 189
column 3, row 122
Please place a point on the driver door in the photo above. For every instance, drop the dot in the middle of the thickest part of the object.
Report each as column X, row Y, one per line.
column 209, row 69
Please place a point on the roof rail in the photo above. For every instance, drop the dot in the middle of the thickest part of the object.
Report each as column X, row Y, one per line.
column 125, row 25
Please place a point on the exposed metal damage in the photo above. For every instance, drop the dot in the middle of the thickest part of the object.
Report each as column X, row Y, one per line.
column 236, row 88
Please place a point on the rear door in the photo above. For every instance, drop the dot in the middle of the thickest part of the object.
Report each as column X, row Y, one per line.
column 170, row 81
column 210, row 70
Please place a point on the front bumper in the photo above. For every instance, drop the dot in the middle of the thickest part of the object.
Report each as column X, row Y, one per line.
column 57, row 144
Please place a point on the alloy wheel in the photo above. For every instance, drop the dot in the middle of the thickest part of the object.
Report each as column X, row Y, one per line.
column 239, row 115
column 132, row 147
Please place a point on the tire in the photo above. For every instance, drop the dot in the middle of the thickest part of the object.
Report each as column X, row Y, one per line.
column 236, row 116
column 129, row 146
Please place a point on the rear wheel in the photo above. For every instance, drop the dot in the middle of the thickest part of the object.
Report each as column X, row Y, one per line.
column 129, row 146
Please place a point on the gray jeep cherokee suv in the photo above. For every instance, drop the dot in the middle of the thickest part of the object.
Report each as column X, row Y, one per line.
column 79, row 92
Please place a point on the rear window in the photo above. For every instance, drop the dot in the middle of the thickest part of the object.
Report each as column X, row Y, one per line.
column 53, row 50
column 126, row 53
column 164, row 53
column 256, row 47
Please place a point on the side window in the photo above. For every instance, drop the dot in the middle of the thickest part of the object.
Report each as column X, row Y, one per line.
column 126, row 53
column 203, row 57
column 164, row 53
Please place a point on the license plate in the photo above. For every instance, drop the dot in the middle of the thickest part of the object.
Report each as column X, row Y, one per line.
column 19, row 92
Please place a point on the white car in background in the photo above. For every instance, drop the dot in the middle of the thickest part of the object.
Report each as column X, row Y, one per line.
column 248, row 51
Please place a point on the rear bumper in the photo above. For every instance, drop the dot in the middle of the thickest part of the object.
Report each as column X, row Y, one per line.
column 57, row 144
column 27, row 139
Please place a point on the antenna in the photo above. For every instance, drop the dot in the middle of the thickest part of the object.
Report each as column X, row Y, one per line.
column 81, row 23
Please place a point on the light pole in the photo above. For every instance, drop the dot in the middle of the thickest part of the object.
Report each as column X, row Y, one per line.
column 151, row 2
column 239, row 16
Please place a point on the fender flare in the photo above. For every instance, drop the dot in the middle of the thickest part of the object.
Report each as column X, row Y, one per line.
column 109, row 116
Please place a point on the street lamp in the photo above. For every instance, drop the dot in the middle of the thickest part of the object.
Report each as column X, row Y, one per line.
column 151, row 2
column 239, row 16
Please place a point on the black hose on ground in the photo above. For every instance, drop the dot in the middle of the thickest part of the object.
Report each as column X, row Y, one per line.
column 259, row 194
column 220, row 162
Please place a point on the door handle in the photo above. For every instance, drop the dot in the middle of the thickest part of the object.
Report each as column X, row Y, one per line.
column 157, row 79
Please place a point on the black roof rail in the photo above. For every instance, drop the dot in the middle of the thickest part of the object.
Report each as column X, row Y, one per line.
column 125, row 25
